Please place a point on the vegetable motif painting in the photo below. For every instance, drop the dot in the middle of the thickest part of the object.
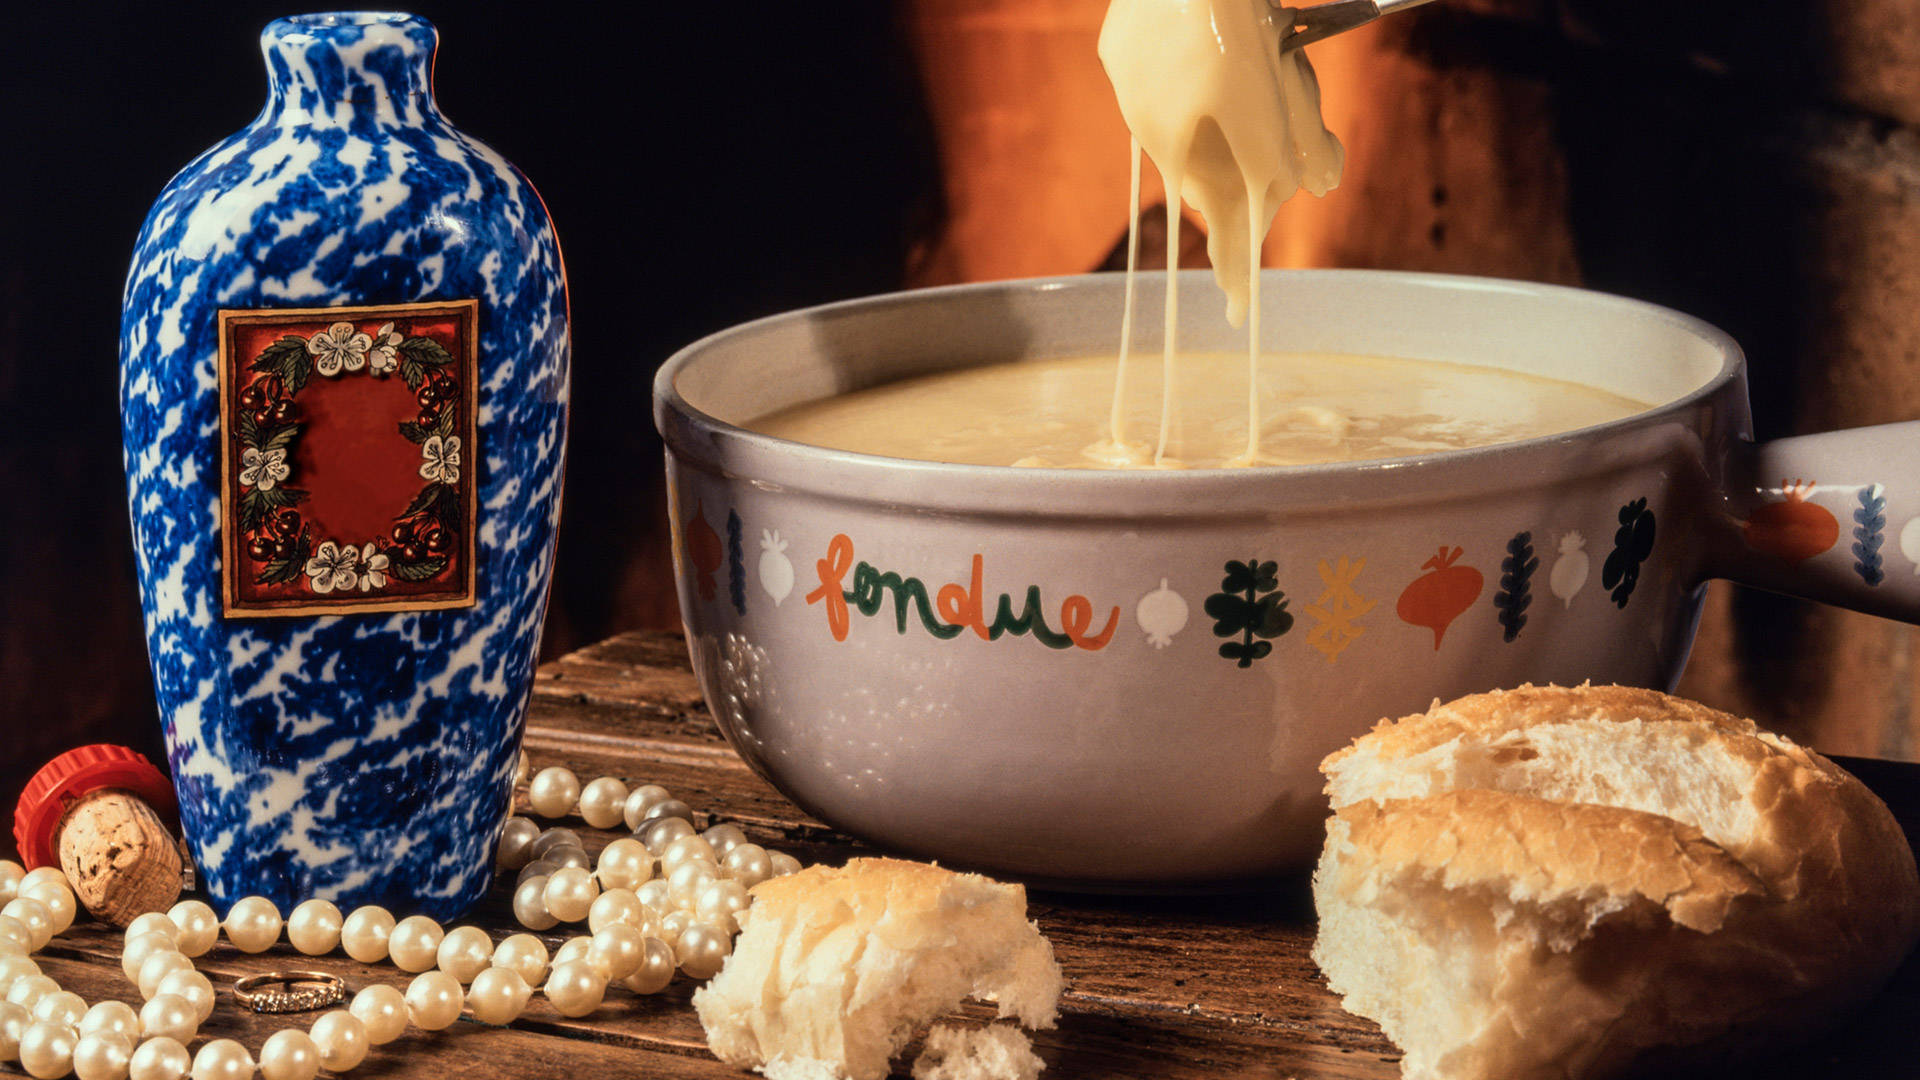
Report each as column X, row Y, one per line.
column 1442, row 594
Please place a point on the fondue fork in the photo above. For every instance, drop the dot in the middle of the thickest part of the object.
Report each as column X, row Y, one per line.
column 1311, row 24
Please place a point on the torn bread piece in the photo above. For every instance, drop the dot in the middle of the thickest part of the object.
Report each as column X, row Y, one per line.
column 1566, row 882
column 994, row 1052
column 836, row 969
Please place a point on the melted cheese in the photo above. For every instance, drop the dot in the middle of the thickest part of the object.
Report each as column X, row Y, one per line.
column 1233, row 124
column 1317, row 408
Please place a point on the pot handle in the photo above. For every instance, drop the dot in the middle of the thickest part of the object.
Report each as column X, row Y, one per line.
column 1833, row 517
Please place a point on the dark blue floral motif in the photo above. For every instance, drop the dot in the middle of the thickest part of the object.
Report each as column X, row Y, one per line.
column 1516, row 575
column 1249, row 604
column 1632, row 543
column 1870, row 523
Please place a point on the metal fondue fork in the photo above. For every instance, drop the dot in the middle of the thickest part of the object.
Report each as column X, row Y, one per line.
column 1310, row 24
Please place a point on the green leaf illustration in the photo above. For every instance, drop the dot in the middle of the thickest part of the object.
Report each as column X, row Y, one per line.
column 419, row 571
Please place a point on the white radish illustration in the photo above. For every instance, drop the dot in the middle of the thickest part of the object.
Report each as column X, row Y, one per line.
column 1162, row 613
column 1910, row 542
column 776, row 570
column 1570, row 569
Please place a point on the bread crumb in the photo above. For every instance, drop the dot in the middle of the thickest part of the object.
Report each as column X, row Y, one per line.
column 994, row 1052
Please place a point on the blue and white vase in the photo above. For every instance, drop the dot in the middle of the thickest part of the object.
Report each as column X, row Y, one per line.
column 344, row 382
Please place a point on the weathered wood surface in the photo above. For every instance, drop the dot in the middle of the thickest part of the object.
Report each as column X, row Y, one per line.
column 1213, row 986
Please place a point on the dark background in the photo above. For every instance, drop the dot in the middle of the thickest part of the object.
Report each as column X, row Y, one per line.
column 704, row 164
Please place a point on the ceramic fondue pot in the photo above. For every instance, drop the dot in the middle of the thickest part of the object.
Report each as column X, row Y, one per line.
column 1129, row 678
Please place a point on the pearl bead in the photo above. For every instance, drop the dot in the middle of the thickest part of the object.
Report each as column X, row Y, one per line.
column 537, row 868
column 252, row 925
column 46, row 1050
column 674, row 923
column 685, row 850
column 703, row 950
column 34, row 916
column 655, row 971
column 640, row 803
column 223, row 1059
column 686, row 882
column 289, row 1054
column 314, row 927
column 498, row 996
column 13, row 968
column 26, row 992
column 625, row 864
column 724, row 838
column 433, row 1001
column 44, row 875
column 522, row 768
column 415, row 943
column 383, row 1010
column 58, row 898
column 553, row 792
column 530, row 904
column 572, row 949
column 102, row 1055
column 153, row 922
column 14, row 1021
column 569, row 894
column 139, row 949
column 63, row 1007
column 554, row 838
column 465, row 952
column 603, row 802
column 656, row 896
column 189, row 984
column 342, row 1040
column 11, row 874
column 674, row 808
column 111, row 1018
column 525, row 956
column 364, row 935
column 575, row 988
column 783, row 863
column 615, row 906
column 748, row 864
column 567, row 856
column 658, row 832
column 157, row 967
column 15, row 938
column 160, row 1058
column 617, row 951
column 516, row 843
column 199, row 926
column 170, row 1015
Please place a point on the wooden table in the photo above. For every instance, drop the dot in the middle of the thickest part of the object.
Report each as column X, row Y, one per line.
column 1214, row 987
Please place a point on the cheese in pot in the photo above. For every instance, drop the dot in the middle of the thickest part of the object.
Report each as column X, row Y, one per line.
column 1315, row 408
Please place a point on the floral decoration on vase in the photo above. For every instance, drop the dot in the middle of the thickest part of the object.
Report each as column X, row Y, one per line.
column 348, row 437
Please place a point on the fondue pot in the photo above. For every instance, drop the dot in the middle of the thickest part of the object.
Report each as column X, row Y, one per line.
column 1128, row 679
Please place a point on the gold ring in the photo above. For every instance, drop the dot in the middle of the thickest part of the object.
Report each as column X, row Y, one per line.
column 305, row 991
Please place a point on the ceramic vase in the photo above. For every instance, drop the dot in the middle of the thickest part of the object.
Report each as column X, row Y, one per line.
column 344, row 377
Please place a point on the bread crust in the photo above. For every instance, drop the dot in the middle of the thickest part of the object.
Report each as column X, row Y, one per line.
column 1729, row 889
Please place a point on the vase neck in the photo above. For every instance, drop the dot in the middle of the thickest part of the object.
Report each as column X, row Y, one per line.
column 347, row 68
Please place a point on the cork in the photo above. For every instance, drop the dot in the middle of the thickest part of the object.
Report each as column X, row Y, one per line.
column 119, row 855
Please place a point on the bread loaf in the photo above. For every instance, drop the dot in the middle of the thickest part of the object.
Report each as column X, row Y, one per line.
column 1565, row 882
column 836, row 970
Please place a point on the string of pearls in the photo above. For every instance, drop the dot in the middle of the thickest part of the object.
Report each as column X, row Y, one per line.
column 649, row 914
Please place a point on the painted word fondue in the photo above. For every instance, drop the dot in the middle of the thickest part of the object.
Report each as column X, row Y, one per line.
column 1314, row 408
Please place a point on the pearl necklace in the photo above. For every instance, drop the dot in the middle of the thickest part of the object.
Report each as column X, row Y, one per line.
column 649, row 914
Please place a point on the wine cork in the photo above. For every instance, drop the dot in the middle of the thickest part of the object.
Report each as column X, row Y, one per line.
column 119, row 855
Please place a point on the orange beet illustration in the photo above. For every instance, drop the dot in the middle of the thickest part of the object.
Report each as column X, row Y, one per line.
column 703, row 551
column 1795, row 530
column 1440, row 595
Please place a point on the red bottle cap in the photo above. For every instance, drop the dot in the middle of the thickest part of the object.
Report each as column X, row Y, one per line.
column 66, row 779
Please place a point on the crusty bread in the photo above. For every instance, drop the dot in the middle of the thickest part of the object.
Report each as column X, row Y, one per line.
column 1562, row 882
column 836, row 969
column 994, row 1052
